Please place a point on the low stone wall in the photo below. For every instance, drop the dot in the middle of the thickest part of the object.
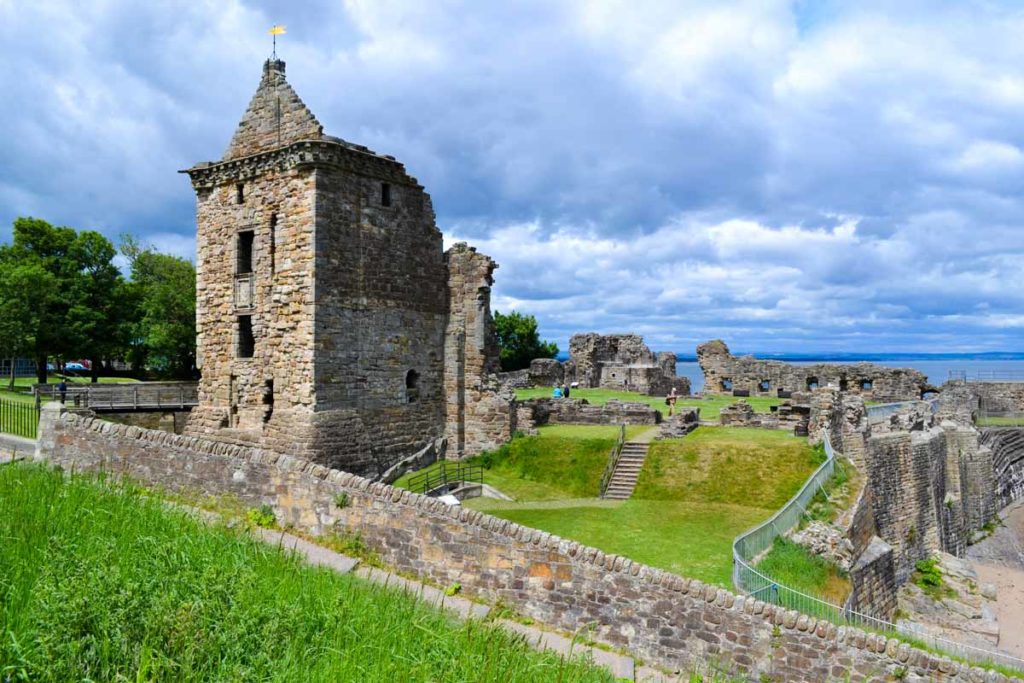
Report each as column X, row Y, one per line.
column 173, row 421
column 515, row 379
column 541, row 411
column 667, row 620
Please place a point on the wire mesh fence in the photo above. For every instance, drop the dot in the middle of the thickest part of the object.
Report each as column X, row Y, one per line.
column 750, row 546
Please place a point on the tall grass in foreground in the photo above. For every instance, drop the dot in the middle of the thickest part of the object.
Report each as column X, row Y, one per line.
column 100, row 583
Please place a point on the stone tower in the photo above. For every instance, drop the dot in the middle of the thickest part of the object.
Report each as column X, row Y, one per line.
column 328, row 323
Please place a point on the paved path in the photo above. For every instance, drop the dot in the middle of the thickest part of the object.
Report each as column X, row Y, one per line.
column 621, row 666
column 11, row 445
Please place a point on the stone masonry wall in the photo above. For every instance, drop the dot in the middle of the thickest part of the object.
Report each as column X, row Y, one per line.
column 667, row 620
column 480, row 413
column 622, row 361
column 541, row 411
column 1006, row 445
column 724, row 373
column 998, row 397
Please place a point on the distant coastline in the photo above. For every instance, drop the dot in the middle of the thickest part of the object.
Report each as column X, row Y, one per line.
column 844, row 357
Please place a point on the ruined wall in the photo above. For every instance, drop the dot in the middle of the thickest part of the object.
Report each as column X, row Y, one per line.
column 622, row 361
column 667, row 620
column 999, row 397
column 540, row 411
column 1007, row 448
column 480, row 414
column 725, row 373
column 873, row 579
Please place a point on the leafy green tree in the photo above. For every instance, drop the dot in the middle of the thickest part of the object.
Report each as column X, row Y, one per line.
column 163, row 292
column 25, row 290
column 519, row 340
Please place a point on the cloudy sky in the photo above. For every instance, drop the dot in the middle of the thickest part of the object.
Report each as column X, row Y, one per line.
column 788, row 176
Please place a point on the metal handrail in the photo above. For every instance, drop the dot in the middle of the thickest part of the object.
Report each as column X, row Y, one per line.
column 445, row 474
column 613, row 461
column 749, row 581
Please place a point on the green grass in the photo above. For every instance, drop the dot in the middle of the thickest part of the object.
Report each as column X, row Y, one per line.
column 693, row 539
column 758, row 467
column 795, row 567
column 104, row 584
column 562, row 461
column 694, row 496
column 710, row 406
column 1001, row 421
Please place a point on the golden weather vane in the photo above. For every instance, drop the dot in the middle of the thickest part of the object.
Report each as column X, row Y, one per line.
column 276, row 30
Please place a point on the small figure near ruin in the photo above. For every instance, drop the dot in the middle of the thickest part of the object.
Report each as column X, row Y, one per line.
column 670, row 401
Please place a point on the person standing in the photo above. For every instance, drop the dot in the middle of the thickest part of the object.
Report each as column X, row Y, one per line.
column 671, row 401
column 63, row 389
column 565, row 391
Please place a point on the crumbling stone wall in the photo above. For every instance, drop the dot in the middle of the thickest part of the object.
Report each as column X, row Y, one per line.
column 353, row 307
column 541, row 411
column 1006, row 445
column 480, row 414
column 622, row 361
column 725, row 373
column 667, row 620
column 998, row 397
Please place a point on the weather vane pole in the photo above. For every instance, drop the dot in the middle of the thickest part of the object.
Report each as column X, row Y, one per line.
column 275, row 31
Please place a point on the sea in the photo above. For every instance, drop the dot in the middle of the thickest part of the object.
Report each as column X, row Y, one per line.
column 939, row 368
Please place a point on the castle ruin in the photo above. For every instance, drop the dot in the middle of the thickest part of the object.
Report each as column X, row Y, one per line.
column 331, row 323
column 749, row 376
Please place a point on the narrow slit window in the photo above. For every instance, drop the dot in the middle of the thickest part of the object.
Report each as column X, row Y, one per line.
column 268, row 400
column 240, row 193
column 385, row 194
column 246, row 340
column 243, row 265
column 272, row 243
column 412, row 389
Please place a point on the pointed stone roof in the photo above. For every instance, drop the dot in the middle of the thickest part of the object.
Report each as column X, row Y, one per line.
column 276, row 117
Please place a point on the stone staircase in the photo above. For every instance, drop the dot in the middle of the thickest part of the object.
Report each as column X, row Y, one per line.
column 627, row 470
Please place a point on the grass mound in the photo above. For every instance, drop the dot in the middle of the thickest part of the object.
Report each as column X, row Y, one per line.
column 102, row 584
column 753, row 467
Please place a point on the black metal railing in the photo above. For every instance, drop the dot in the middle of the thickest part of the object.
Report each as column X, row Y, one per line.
column 447, row 474
column 19, row 418
column 613, row 461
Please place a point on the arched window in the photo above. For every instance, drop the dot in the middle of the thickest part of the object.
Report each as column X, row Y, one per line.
column 412, row 390
column 865, row 385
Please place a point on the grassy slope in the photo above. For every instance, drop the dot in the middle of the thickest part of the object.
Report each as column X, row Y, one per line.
column 562, row 461
column 710, row 406
column 694, row 496
column 105, row 585
column 791, row 565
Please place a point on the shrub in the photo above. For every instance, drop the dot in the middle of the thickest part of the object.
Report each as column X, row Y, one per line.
column 263, row 517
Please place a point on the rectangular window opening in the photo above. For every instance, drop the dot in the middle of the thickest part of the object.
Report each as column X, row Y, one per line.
column 268, row 400
column 385, row 194
column 246, row 340
column 243, row 266
column 240, row 193
column 273, row 242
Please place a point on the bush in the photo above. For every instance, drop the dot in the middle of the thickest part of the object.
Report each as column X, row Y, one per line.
column 263, row 517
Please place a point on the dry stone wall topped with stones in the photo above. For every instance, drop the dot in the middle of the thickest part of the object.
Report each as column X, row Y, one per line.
column 331, row 324
column 667, row 620
column 725, row 373
column 541, row 411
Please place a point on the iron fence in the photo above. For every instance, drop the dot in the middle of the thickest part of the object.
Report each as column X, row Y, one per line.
column 751, row 545
column 882, row 411
column 986, row 376
column 19, row 418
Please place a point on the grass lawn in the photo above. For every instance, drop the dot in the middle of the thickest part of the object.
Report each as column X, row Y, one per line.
column 1001, row 421
column 101, row 583
column 694, row 496
column 562, row 461
column 710, row 406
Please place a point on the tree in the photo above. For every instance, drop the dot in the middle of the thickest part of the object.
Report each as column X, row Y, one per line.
column 519, row 340
column 163, row 291
column 25, row 290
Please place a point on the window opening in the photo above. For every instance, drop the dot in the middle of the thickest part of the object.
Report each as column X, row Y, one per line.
column 865, row 385
column 240, row 193
column 243, row 264
column 765, row 385
column 246, row 340
column 273, row 242
column 268, row 400
column 412, row 390
column 727, row 385
column 385, row 194
column 812, row 383
column 844, row 384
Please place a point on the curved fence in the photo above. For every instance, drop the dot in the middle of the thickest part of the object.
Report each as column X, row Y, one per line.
column 751, row 545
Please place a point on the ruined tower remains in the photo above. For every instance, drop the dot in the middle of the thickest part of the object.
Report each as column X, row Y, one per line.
column 331, row 324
